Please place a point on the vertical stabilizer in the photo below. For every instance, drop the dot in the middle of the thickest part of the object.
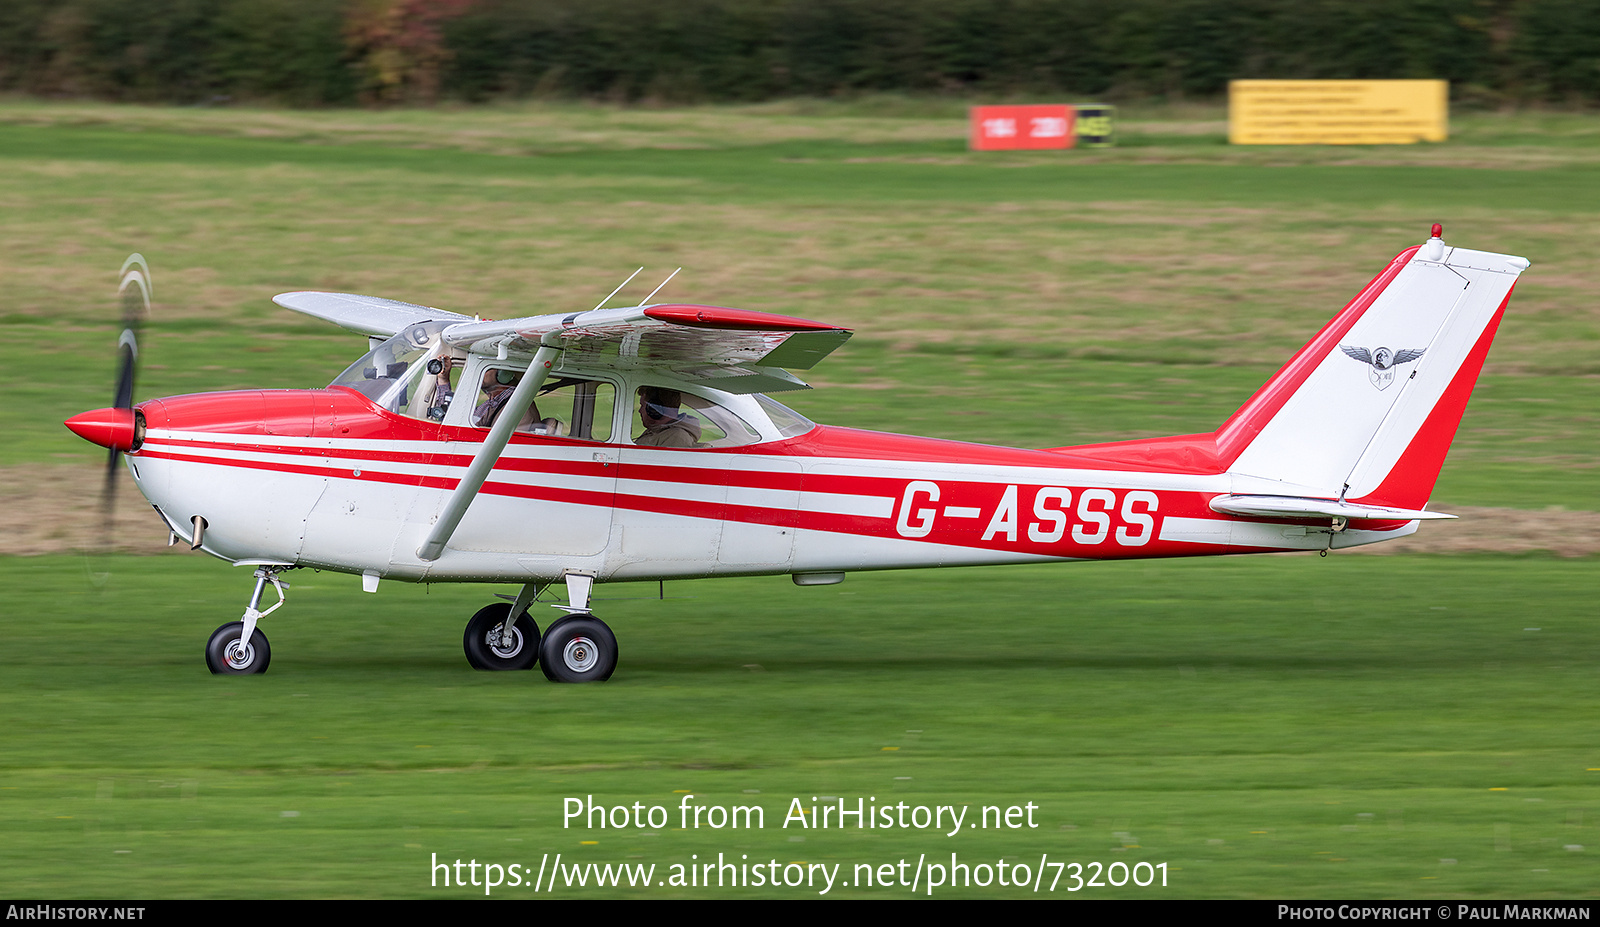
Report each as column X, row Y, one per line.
column 1366, row 410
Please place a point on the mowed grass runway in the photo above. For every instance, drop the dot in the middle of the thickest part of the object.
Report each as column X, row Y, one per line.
column 1399, row 726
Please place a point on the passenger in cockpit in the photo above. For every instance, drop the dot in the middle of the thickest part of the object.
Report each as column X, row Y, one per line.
column 665, row 422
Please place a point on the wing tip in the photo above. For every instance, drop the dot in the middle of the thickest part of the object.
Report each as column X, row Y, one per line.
column 722, row 317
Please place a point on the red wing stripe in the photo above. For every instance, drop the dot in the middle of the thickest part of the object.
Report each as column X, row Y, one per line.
column 734, row 319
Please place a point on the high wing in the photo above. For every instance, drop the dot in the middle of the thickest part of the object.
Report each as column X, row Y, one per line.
column 735, row 350
column 369, row 315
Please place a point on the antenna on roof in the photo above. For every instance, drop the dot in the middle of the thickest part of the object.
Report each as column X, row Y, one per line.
column 658, row 289
column 619, row 288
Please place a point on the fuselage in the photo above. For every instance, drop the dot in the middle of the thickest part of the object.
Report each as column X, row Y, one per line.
column 326, row 478
column 636, row 443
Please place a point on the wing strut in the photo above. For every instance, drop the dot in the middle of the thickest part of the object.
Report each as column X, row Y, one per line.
column 488, row 455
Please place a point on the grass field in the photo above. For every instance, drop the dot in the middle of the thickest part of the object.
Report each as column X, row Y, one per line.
column 1415, row 725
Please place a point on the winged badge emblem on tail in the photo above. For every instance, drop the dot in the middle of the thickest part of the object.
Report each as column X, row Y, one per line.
column 1382, row 361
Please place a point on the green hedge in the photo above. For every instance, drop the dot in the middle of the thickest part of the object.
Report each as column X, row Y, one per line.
column 306, row 52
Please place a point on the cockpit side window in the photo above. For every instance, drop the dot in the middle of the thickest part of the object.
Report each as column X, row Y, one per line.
column 495, row 386
column 592, row 405
column 668, row 417
column 572, row 407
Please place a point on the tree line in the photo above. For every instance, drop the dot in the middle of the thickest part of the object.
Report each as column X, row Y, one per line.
column 331, row 53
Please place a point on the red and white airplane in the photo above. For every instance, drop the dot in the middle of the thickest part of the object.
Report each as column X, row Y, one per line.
column 637, row 444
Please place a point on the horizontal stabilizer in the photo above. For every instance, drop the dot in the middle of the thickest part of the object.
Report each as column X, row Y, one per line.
column 1303, row 507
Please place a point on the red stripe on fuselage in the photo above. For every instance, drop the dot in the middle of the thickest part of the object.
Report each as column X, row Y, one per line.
column 330, row 470
column 339, row 451
column 335, row 461
column 985, row 499
column 969, row 506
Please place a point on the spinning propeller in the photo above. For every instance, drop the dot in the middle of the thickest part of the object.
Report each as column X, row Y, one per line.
column 116, row 428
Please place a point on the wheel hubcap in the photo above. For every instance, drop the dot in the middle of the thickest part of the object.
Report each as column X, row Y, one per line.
column 504, row 645
column 239, row 655
column 580, row 655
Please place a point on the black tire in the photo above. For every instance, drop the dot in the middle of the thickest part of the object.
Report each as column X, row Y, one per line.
column 483, row 645
column 578, row 648
column 224, row 660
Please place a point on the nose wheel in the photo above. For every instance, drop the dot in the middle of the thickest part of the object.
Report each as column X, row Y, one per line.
column 490, row 645
column 229, row 654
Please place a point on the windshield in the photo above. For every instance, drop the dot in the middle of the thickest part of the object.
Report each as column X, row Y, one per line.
column 385, row 365
column 788, row 422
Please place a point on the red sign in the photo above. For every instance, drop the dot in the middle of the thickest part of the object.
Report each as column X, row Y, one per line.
column 995, row 128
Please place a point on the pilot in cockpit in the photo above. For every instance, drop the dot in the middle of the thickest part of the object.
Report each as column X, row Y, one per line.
column 496, row 388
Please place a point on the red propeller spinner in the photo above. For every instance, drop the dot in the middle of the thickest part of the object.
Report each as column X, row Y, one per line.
column 110, row 428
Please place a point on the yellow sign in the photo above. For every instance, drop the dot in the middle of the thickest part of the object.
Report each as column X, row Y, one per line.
column 1338, row 112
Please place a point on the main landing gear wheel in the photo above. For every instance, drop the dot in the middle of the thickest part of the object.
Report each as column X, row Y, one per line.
column 578, row 648
column 489, row 647
column 226, row 656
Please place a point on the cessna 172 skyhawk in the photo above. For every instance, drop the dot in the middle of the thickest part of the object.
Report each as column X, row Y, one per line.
column 636, row 444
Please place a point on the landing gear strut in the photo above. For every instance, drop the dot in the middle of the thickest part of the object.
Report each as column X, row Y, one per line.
column 504, row 637
column 579, row 647
column 227, row 653
column 490, row 645
column 238, row 648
